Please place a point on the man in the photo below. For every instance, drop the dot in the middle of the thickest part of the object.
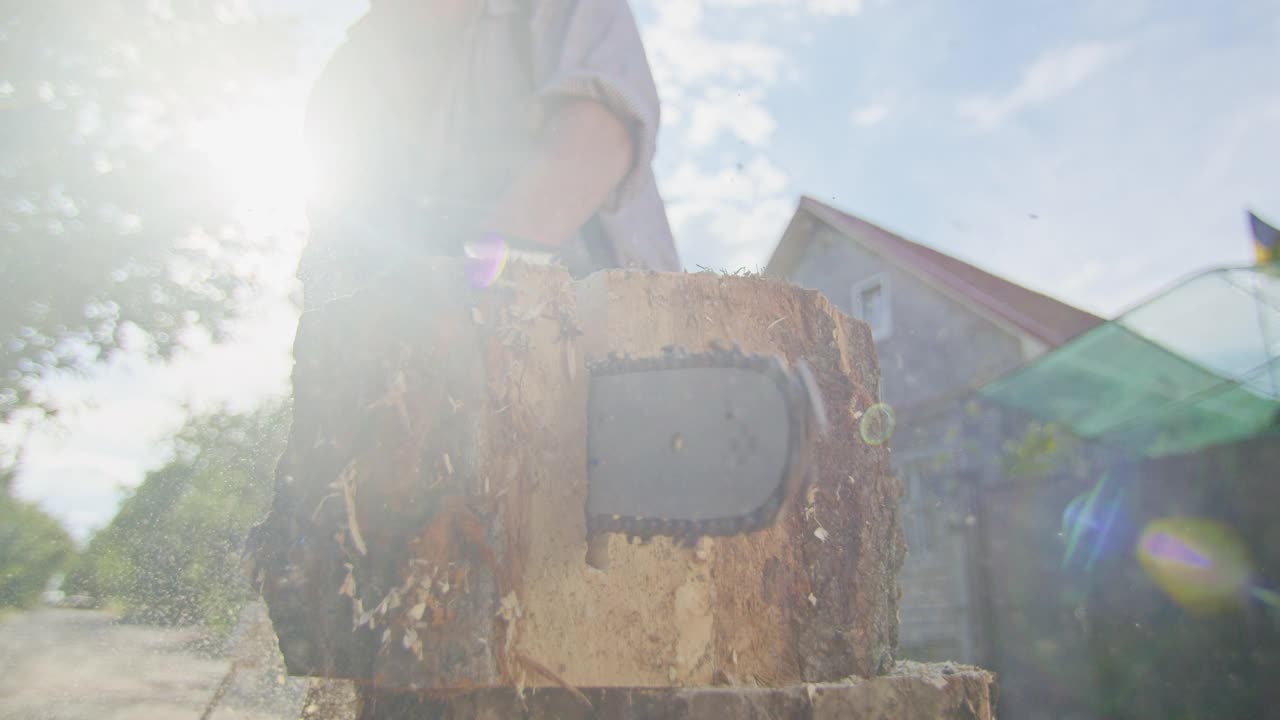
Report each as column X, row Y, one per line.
column 440, row 122
column 443, row 122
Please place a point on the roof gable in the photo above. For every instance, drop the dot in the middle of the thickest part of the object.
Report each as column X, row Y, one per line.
column 1040, row 316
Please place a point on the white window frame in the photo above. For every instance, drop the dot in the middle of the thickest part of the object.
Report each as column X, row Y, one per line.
column 855, row 302
column 918, row 521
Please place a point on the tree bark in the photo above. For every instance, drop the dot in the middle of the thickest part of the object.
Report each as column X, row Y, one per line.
column 432, row 496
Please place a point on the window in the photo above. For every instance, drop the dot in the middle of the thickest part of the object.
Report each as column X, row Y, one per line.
column 917, row 513
column 871, row 305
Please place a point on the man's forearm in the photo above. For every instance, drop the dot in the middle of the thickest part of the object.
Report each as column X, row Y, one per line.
column 585, row 152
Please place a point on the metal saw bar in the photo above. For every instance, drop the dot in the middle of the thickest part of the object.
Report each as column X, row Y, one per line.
column 697, row 444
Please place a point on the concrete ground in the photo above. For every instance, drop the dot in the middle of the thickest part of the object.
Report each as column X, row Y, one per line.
column 59, row 664
column 62, row 664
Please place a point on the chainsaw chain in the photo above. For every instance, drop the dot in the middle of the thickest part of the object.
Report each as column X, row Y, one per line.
column 801, row 411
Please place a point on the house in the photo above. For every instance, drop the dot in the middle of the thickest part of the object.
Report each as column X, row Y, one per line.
column 1035, row 442
column 919, row 301
column 942, row 329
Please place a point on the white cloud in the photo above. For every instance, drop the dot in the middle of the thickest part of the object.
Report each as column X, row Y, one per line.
column 758, row 179
column 715, row 88
column 835, row 7
column 716, row 63
column 709, row 87
column 741, row 114
column 119, row 421
column 1138, row 182
column 683, row 52
column 1054, row 74
column 847, row 8
column 741, row 210
column 869, row 115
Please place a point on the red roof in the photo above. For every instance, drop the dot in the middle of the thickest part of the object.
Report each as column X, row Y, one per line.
column 1049, row 320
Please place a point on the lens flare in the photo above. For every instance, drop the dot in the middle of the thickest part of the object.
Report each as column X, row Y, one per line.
column 1088, row 522
column 1271, row 598
column 485, row 259
column 1167, row 547
column 876, row 425
column 1200, row 564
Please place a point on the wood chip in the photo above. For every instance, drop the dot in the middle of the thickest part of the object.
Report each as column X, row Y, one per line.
column 546, row 672
column 533, row 313
column 357, row 612
column 390, row 602
column 319, row 506
column 347, row 478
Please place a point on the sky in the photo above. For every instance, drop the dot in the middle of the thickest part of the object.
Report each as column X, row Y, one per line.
column 1095, row 150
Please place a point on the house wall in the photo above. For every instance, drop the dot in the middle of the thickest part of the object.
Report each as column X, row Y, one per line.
column 998, row 495
column 998, row 571
column 938, row 349
column 1154, row 658
column 1067, row 616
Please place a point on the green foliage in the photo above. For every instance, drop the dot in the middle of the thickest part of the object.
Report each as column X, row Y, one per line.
column 33, row 546
column 171, row 554
column 114, row 230
column 1037, row 454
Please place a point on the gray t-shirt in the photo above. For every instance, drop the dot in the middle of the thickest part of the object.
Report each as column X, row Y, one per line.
column 417, row 129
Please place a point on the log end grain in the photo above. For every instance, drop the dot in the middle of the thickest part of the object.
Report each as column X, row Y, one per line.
column 436, row 474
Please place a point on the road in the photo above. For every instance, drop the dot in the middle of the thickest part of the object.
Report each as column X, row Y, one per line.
column 81, row 664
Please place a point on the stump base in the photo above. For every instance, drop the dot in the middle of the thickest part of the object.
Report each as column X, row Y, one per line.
column 913, row 691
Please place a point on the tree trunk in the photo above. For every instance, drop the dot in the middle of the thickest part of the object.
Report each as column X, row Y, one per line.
column 432, row 495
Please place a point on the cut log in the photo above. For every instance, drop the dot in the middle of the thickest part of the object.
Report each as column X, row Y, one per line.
column 429, row 532
column 911, row 691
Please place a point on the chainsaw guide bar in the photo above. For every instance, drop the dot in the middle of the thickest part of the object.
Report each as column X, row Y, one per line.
column 687, row 445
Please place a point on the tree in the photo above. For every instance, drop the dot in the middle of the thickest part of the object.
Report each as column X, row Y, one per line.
column 113, row 232
column 171, row 555
column 33, row 547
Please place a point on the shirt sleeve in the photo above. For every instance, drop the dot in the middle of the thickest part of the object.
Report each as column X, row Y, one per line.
column 591, row 49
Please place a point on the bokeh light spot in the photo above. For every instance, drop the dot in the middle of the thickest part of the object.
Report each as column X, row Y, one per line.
column 1200, row 564
column 485, row 259
column 1172, row 549
column 876, row 425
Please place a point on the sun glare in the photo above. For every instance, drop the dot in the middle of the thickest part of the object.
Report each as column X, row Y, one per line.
column 259, row 156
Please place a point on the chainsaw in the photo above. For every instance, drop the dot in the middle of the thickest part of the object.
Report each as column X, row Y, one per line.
column 688, row 445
